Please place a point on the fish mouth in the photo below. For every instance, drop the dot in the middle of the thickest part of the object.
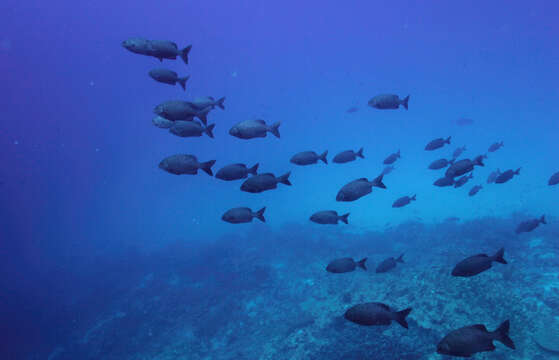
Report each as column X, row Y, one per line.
column 340, row 197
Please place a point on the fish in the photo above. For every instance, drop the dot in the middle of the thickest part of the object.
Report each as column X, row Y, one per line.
column 262, row 182
column 308, row 158
column 203, row 102
column 440, row 164
column 506, row 176
column 328, row 217
column 250, row 129
column 387, row 170
column 388, row 101
column 529, row 225
column 191, row 129
column 477, row 264
column 444, row 181
column 241, row 215
column 180, row 164
column 469, row 340
column 437, row 143
column 160, row 49
column 463, row 180
column 403, row 201
column 391, row 159
column 493, row 176
column 343, row 265
column 236, row 172
column 181, row 110
column 167, row 76
column 495, row 146
column 161, row 122
column 554, row 179
column 347, row 156
column 458, row 152
column 359, row 188
column 389, row 264
column 352, row 109
column 461, row 167
column 375, row 313
column 474, row 190
column 464, row 121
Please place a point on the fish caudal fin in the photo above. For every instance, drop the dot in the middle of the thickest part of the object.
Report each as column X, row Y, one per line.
column 498, row 257
column 260, row 214
column 542, row 220
column 405, row 102
column 400, row 259
column 360, row 153
column 378, row 182
column 184, row 53
column 284, row 179
column 517, row 172
column 502, row 334
column 361, row 263
column 182, row 81
column 207, row 167
column 400, row 317
column 208, row 130
column 323, row 157
column 274, row 129
column 448, row 140
column 220, row 103
column 413, row 197
column 253, row 169
column 344, row 218
column 203, row 115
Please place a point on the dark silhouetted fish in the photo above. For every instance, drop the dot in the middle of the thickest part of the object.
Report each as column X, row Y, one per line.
column 347, row 156
column 181, row 110
column 461, row 167
column 262, row 182
column 464, row 122
column 344, row 265
column 243, row 215
column 478, row 263
column 444, row 181
column 161, row 49
column 375, row 313
column 458, row 152
column 403, row 201
column 440, row 164
column 529, row 225
column 463, row 180
column 358, row 188
column 352, row 109
column 388, row 101
column 328, row 217
column 191, row 129
column 309, row 158
column 389, row 264
column 506, row 176
column 250, row 129
column 235, row 172
column 388, row 169
column 554, row 179
column 185, row 164
column 167, row 76
column 475, row 190
column 203, row 102
column 469, row 340
column 391, row 159
column 437, row 143
column 161, row 122
column 493, row 176
column 495, row 146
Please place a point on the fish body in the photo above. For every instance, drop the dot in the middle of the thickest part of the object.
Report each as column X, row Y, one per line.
column 328, row 217
column 343, row 265
column 444, row 181
column 389, row 264
column 476, row 264
column 347, row 156
column 191, row 129
column 160, row 49
column 461, row 167
column 358, row 188
column 181, row 110
column 243, row 215
column 463, row 180
column 403, row 201
column 250, row 129
column 530, row 225
column 554, row 179
column 167, row 76
column 506, row 176
column 437, row 143
column 391, row 159
column 493, row 176
column 180, row 164
column 203, row 102
column 469, row 340
column 440, row 164
column 387, row 169
column 495, row 146
column 262, row 182
column 374, row 313
column 388, row 101
column 458, row 152
column 474, row 190
column 308, row 158
column 236, row 172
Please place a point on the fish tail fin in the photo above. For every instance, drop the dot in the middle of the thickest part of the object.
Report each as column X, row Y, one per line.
column 184, row 53
column 413, row 197
column 361, row 263
column 284, row 179
column 182, row 82
column 517, row 172
column 502, row 335
column 323, row 157
column 498, row 257
column 471, row 175
column 207, row 167
column 208, row 130
column 451, row 161
column 378, row 182
column 360, row 153
column 253, row 169
column 448, row 140
column 400, row 258
column 274, row 129
column 344, row 218
column 398, row 154
column 203, row 115
column 220, row 103
column 542, row 220
column 405, row 102
column 401, row 317
column 260, row 214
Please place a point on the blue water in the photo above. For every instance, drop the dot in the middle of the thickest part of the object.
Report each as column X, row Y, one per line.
column 105, row 256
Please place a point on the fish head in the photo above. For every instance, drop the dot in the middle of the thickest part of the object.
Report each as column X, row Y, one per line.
column 133, row 44
column 234, row 131
column 341, row 196
column 444, row 348
column 245, row 187
column 164, row 164
column 158, row 110
column 373, row 102
column 227, row 217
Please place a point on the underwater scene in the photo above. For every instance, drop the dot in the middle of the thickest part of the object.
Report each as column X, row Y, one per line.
column 267, row 180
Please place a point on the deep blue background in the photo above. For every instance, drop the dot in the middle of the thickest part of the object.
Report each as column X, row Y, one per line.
column 79, row 181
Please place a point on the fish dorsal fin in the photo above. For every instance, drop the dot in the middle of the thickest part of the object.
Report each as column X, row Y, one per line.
column 384, row 306
column 239, row 164
column 266, row 174
column 480, row 255
column 175, row 44
column 362, row 179
column 479, row 327
column 260, row 121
